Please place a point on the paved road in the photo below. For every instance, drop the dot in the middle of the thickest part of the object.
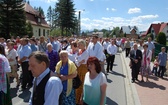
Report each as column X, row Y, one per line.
column 116, row 94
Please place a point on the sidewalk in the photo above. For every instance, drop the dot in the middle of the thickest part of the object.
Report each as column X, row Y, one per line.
column 154, row 92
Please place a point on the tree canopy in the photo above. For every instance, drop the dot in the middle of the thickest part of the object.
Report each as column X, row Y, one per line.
column 12, row 18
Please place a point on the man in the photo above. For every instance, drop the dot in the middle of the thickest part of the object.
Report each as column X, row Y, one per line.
column 127, row 46
column 135, row 63
column 24, row 53
column 118, row 44
column 105, row 44
column 95, row 48
column 162, row 58
column 33, row 45
column 112, row 51
column 46, row 88
column 43, row 45
column 151, row 45
column 54, row 44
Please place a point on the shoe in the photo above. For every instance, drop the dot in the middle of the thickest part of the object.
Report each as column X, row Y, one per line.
column 142, row 80
column 23, row 89
column 18, row 83
column 111, row 70
column 147, row 81
column 136, row 79
column 133, row 81
column 30, row 85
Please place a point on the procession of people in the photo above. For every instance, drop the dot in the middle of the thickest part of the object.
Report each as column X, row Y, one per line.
column 50, row 64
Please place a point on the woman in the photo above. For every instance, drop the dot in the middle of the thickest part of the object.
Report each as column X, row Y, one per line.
column 53, row 56
column 4, row 88
column 12, row 56
column 81, row 61
column 73, row 51
column 94, row 92
column 66, row 70
column 145, row 64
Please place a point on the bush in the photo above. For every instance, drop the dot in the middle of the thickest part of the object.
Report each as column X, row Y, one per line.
column 161, row 38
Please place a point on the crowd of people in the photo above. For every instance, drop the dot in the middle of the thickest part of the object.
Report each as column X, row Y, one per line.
column 49, row 65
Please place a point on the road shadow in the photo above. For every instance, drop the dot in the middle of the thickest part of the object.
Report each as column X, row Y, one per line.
column 25, row 95
column 118, row 74
column 115, row 65
column 13, row 92
column 151, row 85
column 110, row 102
column 154, row 78
column 109, row 80
column 166, row 79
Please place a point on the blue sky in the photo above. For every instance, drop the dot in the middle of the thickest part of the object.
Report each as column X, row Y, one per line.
column 99, row 14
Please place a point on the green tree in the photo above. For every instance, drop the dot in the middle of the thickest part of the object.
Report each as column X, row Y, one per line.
column 40, row 10
column 12, row 18
column 150, row 35
column 116, row 31
column 29, row 29
column 161, row 38
column 95, row 30
column 65, row 15
column 50, row 16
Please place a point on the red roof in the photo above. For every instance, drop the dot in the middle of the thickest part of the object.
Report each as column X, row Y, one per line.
column 32, row 16
column 157, row 28
column 163, row 25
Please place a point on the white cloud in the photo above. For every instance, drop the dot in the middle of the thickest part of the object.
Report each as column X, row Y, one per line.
column 85, row 19
column 107, row 9
column 134, row 10
column 113, row 9
column 110, row 22
column 91, row 0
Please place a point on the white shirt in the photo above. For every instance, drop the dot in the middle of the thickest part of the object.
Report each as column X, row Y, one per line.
column 72, row 56
column 95, row 50
column 118, row 42
column 58, row 45
column 53, row 89
column 105, row 44
column 83, row 56
column 103, row 58
column 112, row 49
column 12, row 55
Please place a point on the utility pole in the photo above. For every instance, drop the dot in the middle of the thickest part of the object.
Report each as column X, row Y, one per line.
column 79, row 23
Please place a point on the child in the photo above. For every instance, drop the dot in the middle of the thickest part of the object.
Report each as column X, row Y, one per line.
column 155, row 66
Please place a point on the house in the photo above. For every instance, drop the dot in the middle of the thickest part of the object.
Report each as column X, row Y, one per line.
column 100, row 34
column 130, row 31
column 155, row 29
column 37, row 20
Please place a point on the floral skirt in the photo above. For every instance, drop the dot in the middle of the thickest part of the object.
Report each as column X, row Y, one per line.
column 68, row 100
column 145, row 70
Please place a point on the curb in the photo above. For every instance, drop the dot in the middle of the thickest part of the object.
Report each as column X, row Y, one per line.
column 131, row 92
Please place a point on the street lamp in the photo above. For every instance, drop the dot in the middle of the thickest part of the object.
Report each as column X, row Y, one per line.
column 79, row 21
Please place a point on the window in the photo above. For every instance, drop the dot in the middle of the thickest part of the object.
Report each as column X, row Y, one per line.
column 48, row 32
column 44, row 32
column 39, row 20
column 39, row 32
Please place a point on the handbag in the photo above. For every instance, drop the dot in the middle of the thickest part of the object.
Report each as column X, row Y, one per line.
column 76, row 82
